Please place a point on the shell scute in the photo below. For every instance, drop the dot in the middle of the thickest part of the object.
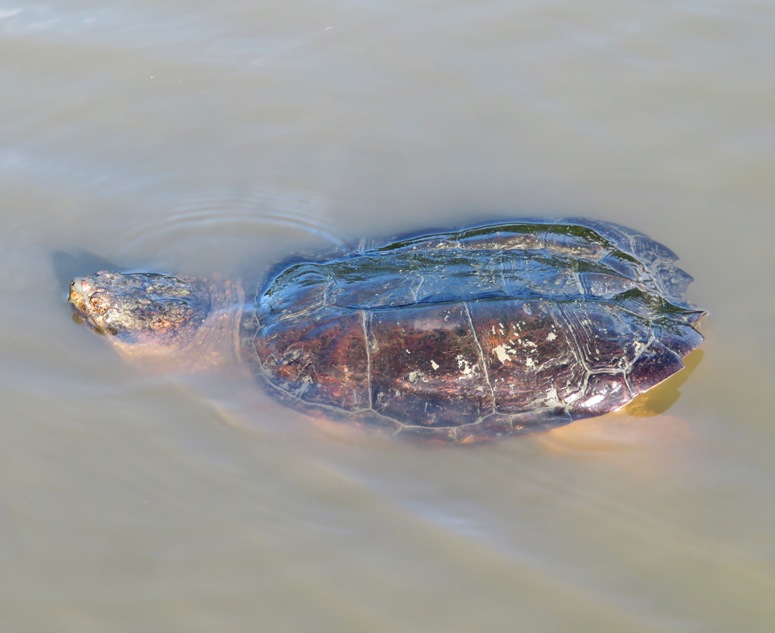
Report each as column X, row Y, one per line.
column 528, row 357
column 606, row 339
column 655, row 364
column 321, row 360
column 603, row 392
column 426, row 366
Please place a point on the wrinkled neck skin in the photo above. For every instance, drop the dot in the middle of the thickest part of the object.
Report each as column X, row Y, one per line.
column 212, row 345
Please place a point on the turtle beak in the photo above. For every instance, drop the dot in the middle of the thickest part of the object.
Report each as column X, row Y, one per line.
column 81, row 289
column 79, row 294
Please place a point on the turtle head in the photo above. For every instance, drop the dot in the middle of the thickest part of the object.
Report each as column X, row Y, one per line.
column 142, row 313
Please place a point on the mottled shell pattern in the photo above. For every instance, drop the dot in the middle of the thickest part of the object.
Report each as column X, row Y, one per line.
column 475, row 334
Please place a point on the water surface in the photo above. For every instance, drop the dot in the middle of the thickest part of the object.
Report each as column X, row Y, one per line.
column 194, row 137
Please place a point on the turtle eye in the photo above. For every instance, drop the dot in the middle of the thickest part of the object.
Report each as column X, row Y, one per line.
column 98, row 302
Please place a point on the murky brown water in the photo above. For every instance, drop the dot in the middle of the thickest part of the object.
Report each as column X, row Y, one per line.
column 203, row 137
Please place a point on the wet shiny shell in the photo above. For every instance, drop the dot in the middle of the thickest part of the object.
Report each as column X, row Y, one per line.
column 483, row 332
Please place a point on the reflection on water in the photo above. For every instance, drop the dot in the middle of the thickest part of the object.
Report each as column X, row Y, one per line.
column 660, row 398
column 644, row 422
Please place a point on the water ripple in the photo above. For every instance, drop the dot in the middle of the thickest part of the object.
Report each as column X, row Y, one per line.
column 212, row 229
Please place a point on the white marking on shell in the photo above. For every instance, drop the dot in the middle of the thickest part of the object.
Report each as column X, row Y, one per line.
column 502, row 351
column 551, row 336
column 571, row 397
column 463, row 364
column 435, row 365
column 596, row 399
column 552, row 397
column 306, row 382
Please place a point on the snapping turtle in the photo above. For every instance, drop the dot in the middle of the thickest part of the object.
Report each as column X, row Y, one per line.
column 460, row 336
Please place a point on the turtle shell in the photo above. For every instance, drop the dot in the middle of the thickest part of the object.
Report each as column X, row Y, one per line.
column 488, row 331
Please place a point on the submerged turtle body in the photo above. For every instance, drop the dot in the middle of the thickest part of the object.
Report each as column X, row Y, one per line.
column 488, row 331
column 469, row 335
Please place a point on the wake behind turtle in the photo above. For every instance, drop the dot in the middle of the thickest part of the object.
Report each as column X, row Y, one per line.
column 459, row 336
